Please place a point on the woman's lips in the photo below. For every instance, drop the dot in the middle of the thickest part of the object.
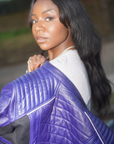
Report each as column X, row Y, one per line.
column 40, row 39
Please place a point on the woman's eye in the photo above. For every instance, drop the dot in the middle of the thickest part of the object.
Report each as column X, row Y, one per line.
column 49, row 19
column 34, row 21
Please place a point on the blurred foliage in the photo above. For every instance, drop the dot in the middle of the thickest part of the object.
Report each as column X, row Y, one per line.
column 16, row 40
column 7, row 35
column 18, row 46
column 14, row 21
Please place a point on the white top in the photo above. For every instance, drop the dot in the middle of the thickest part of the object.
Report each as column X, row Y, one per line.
column 72, row 66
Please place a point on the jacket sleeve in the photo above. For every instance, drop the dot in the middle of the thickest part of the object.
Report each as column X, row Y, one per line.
column 9, row 127
column 103, row 134
column 6, row 104
column 18, row 99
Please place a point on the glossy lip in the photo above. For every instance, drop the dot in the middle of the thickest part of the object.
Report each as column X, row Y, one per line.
column 41, row 39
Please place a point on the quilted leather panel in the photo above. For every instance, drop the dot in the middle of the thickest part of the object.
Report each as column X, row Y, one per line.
column 29, row 91
column 106, row 133
column 37, row 88
column 61, row 121
column 40, row 115
column 55, row 108
column 66, row 122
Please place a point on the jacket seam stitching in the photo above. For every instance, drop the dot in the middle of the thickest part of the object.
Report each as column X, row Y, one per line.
column 90, row 138
column 70, row 114
column 41, row 105
column 57, row 87
column 94, row 128
column 67, row 130
column 58, row 135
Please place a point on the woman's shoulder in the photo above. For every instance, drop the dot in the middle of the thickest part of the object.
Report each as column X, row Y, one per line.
column 37, row 78
column 70, row 57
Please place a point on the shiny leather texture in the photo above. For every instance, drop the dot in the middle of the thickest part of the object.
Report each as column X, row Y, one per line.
column 57, row 113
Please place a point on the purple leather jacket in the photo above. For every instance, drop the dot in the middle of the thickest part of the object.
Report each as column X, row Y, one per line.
column 44, row 107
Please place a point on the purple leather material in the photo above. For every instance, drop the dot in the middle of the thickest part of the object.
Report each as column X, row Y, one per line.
column 56, row 111
column 4, row 141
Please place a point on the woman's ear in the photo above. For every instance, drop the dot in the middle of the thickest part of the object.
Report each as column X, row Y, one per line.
column 69, row 29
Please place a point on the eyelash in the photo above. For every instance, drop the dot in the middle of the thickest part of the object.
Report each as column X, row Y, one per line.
column 50, row 18
column 35, row 21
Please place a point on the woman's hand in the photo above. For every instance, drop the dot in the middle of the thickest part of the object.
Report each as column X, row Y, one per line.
column 35, row 62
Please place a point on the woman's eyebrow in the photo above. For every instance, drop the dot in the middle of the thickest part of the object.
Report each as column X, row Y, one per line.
column 44, row 12
column 32, row 14
column 48, row 11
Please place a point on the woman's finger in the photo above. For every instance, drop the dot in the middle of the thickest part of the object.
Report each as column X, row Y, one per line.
column 40, row 60
column 35, row 62
column 30, row 64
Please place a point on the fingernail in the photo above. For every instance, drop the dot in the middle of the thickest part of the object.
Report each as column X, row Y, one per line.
column 39, row 65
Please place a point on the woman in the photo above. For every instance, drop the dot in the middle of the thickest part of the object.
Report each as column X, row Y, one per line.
column 82, row 35
column 50, row 104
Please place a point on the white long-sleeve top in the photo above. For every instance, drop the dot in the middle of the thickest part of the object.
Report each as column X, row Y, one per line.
column 72, row 66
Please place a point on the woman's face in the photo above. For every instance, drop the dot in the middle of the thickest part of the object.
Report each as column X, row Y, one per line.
column 47, row 29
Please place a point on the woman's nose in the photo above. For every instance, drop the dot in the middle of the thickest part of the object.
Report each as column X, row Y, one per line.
column 39, row 27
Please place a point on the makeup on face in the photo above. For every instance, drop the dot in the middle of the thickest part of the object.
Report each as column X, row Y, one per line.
column 48, row 31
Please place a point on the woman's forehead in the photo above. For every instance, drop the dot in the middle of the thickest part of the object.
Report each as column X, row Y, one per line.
column 45, row 5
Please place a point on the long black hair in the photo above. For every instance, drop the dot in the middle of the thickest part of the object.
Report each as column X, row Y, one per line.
column 88, row 44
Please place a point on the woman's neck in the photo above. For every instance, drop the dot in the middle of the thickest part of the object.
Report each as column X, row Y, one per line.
column 53, row 54
column 57, row 50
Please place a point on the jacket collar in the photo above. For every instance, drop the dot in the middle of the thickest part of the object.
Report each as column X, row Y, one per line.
column 63, row 78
